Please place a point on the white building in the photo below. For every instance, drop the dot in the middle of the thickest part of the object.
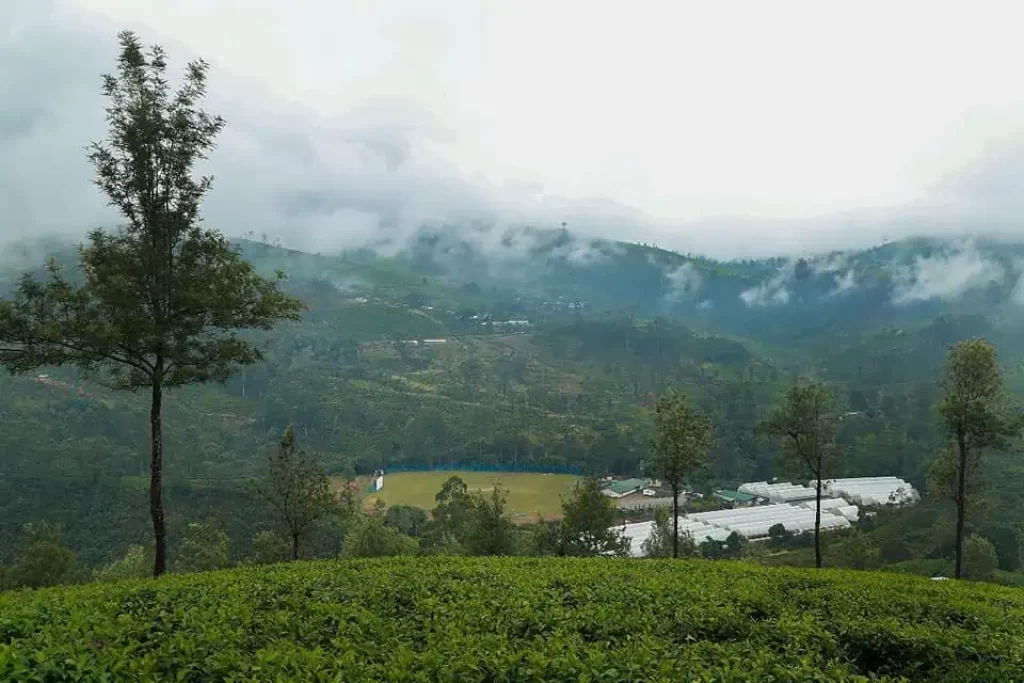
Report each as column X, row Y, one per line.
column 778, row 493
column 752, row 523
column 871, row 491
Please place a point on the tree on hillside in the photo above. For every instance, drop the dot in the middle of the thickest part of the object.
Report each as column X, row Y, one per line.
column 45, row 560
column 408, row 519
column 159, row 299
column 204, row 548
column 588, row 521
column 297, row 490
column 369, row 537
column 980, row 559
column 858, row 551
column 681, row 446
column 805, row 422
column 454, row 508
column 665, row 540
column 134, row 565
column 976, row 417
column 268, row 548
column 490, row 531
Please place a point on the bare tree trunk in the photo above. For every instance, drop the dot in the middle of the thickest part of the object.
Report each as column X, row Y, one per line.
column 295, row 545
column 961, row 491
column 156, row 475
column 675, row 522
column 817, row 522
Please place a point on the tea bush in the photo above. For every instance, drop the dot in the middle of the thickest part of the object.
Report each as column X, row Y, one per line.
column 515, row 619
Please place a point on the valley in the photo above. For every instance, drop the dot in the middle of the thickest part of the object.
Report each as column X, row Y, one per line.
column 402, row 361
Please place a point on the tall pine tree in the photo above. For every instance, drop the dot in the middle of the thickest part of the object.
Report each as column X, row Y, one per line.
column 805, row 421
column 161, row 298
column 976, row 417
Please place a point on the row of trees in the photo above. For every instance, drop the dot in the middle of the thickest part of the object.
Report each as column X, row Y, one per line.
column 976, row 417
column 297, row 491
column 158, row 304
column 804, row 422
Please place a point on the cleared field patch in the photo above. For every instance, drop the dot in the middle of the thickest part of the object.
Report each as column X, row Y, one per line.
column 529, row 494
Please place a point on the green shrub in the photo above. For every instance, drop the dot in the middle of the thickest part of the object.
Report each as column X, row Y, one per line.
column 980, row 558
column 368, row 537
column 136, row 564
column 203, row 548
column 894, row 550
column 268, row 548
column 1006, row 542
column 516, row 619
column 45, row 558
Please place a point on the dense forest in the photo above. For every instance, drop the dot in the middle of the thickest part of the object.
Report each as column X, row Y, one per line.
column 401, row 363
column 512, row 348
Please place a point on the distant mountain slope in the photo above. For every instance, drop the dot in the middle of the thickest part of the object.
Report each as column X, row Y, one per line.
column 778, row 300
column 539, row 350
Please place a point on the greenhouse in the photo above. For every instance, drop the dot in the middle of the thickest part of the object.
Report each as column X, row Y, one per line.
column 752, row 523
column 778, row 493
column 850, row 512
column 755, row 522
column 826, row 503
column 699, row 531
column 872, row 491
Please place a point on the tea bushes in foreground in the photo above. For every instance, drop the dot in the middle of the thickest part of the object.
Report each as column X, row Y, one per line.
column 515, row 619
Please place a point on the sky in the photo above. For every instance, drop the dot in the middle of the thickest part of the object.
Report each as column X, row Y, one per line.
column 731, row 129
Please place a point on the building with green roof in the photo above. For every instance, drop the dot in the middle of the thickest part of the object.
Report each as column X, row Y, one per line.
column 619, row 489
column 735, row 497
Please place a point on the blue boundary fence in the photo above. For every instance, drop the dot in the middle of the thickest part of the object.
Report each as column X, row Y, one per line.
column 484, row 467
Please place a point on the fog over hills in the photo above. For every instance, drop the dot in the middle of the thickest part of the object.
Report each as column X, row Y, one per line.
column 384, row 169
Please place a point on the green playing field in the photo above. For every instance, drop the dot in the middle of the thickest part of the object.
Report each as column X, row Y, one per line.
column 529, row 494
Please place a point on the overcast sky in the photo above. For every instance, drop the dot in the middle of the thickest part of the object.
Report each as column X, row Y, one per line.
column 727, row 128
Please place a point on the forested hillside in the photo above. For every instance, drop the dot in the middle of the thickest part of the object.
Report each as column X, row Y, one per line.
column 544, row 351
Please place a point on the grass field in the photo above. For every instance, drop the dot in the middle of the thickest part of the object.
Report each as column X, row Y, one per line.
column 529, row 495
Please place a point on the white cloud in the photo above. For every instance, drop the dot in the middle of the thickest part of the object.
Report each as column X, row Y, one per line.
column 844, row 283
column 682, row 281
column 828, row 263
column 947, row 275
column 354, row 121
column 1017, row 296
column 774, row 291
column 375, row 175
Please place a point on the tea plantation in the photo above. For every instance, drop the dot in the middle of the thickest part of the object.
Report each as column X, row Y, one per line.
column 461, row 619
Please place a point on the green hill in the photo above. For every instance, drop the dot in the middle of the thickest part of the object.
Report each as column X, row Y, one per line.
column 457, row 619
column 553, row 348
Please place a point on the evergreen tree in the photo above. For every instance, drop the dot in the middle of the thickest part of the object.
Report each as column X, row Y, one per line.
column 980, row 559
column 491, row 532
column 680, row 447
column 451, row 517
column 45, row 558
column 368, row 537
column 588, row 520
column 664, row 540
column 297, row 490
column 203, row 548
column 806, row 424
column 976, row 417
column 134, row 565
column 159, row 300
